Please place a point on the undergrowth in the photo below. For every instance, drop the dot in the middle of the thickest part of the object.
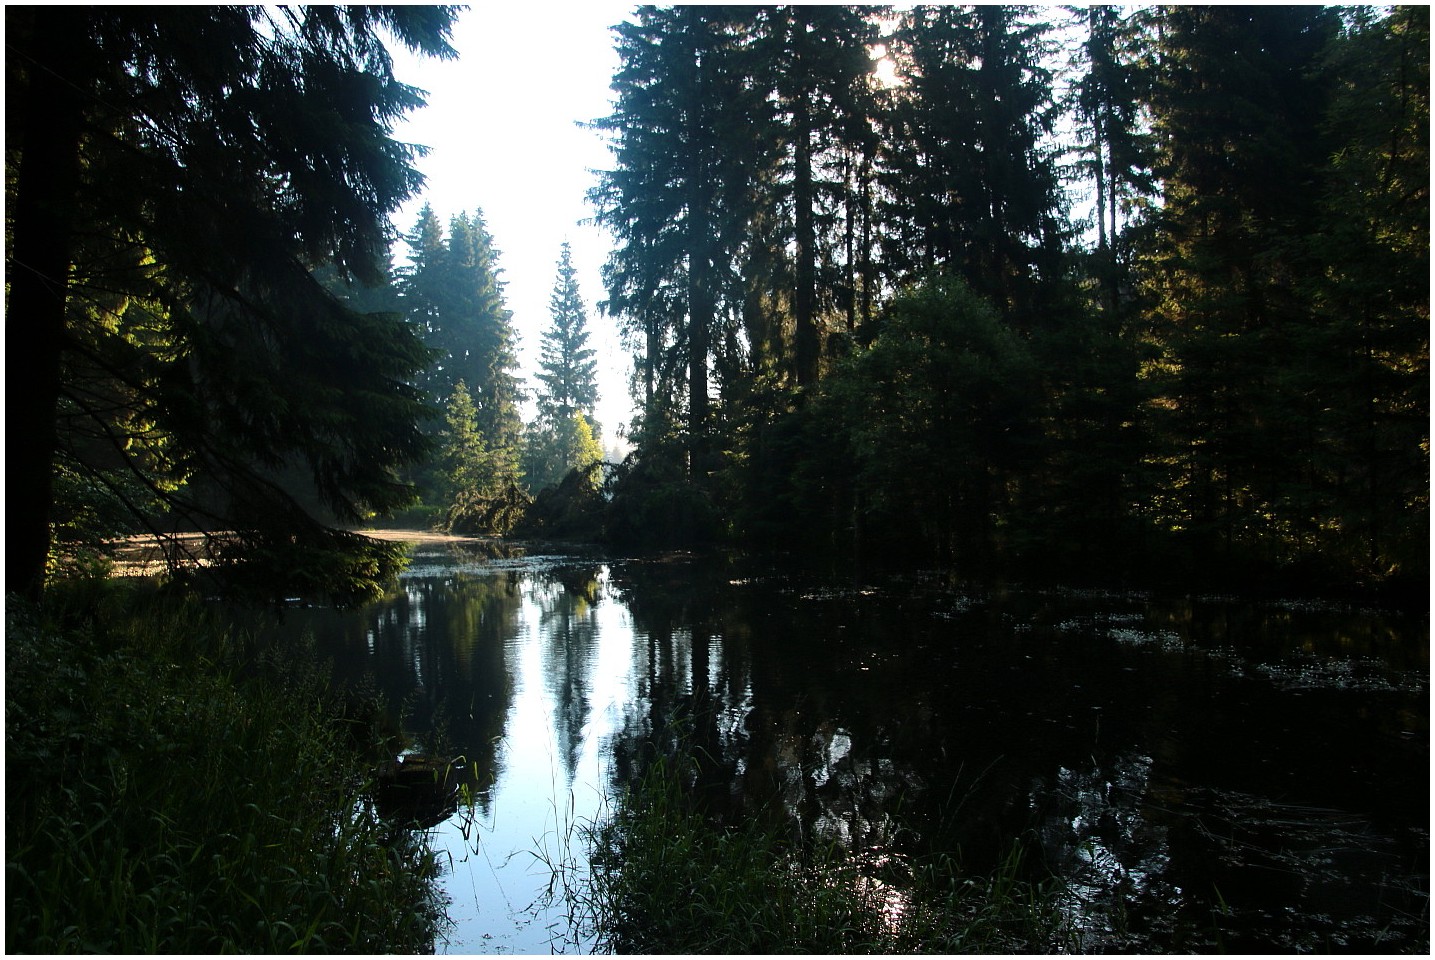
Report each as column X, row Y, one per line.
column 666, row 879
column 168, row 792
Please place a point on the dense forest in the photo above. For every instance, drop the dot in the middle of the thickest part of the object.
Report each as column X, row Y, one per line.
column 1112, row 290
column 1125, row 295
column 1016, row 290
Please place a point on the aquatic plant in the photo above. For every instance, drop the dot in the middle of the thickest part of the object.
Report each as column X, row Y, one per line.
column 667, row 879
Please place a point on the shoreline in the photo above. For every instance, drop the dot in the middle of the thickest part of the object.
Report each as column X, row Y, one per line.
column 147, row 554
column 403, row 535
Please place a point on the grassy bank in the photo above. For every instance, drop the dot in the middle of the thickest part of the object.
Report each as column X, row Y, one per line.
column 667, row 880
column 168, row 791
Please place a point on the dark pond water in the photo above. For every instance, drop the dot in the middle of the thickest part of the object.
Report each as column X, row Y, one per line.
column 1208, row 774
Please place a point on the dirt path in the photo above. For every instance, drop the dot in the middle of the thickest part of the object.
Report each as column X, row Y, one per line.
column 144, row 555
column 416, row 536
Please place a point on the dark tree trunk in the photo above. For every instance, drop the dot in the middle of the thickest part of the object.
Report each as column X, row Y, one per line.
column 47, row 110
column 808, row 346
column 869, row 273
column 849, row 241
column 700, row 311
column 701, row 300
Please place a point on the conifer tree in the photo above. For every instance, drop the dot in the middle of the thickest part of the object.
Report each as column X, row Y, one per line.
column 1365, row 350
column 206, row 159
column 562, row 437
column 1116, row 150
column 969, row 172
column 815, row 61
column 453, row 292
column 1238, row 114
column 420, row 285
column 557, row 446
column 478, row 488
column 479, row 337
column 465, row 467
column 568, row 368
column 672, row 202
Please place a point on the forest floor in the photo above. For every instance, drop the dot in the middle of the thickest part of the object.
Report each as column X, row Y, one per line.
column 147, row 554
column 416, row 536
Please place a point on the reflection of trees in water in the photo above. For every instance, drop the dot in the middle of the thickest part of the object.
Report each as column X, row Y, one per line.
column 472, row 617
column 823, row 713
column 1133, row 765
column 480, row 550
column 678, row 703
column 567, row 624
column 1054, row 719
column 434, row 648
column 750, row 686
column 834, row 742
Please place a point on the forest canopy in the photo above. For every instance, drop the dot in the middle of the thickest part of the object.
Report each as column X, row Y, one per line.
column 1024, row 290
column 176, row 178
column 1118, row 289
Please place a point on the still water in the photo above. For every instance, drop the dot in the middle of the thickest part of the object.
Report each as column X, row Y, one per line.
column 1205, row 773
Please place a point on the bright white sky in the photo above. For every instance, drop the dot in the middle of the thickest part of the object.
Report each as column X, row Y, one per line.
column 502, row 128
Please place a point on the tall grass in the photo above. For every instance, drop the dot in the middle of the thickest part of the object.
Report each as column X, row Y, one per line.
column 167, row 792
column 665, row 879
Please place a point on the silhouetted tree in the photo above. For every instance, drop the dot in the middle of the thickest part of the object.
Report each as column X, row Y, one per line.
column 175, row 175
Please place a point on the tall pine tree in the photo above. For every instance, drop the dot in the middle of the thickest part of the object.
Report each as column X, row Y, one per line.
column 562, row 438
column 1238, row 114
column 1364, row 370
column 209, row 158
column 482, row 345
column 420, row 286
column 453, row 292
column 816, row 63
column 672, row 202
column 1115, row 152
column 969, row 172
column 568, row 368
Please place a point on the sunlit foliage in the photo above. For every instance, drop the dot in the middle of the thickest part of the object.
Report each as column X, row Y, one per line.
column 176, row 177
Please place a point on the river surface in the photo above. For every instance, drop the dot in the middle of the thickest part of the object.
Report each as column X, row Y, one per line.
column 1206, row 773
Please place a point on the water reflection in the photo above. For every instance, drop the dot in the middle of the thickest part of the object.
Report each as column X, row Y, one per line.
column 568, row 628
column 1206, row 774
column 435, row 649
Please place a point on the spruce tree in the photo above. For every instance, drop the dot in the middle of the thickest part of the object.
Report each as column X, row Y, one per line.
column 465, row 468
column 1116, row 150
column 1364, row 354
column 568, row 368
column 815, row 61
column 420, row 284
column 453, row 293
column 968, row 171
column 478, row 337
column 1238, row 111
column 478, row 487
column 678, row 131
column 561, row 439
column 201, row 162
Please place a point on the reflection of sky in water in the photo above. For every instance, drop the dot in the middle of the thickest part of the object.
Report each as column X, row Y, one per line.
column 497, row 881
column 1155, row 750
